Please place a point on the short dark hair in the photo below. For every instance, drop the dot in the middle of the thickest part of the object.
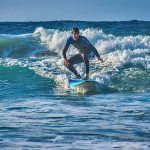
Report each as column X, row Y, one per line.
column 75, row 29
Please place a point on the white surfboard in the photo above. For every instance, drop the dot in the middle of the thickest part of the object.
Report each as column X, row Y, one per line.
column 83, row 86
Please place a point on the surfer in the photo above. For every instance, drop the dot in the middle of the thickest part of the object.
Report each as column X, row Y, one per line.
column 86, row 51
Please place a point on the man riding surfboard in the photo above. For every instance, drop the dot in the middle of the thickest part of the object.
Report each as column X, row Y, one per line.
column 86, row 51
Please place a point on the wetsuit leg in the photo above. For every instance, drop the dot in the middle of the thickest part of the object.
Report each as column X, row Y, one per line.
column 74, row 60
column 86, row 62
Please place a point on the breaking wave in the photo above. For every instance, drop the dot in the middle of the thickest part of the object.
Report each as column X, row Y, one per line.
column 126, row 58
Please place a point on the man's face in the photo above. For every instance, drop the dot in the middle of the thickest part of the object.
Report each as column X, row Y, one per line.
column 75, row 35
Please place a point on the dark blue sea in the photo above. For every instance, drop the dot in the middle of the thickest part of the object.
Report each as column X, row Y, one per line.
column 38, row 110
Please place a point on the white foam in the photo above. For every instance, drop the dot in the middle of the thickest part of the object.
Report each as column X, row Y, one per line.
column 121, row 48
column 117, row 52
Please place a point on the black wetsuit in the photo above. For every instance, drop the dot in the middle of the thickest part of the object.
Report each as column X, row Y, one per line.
column 86, row 51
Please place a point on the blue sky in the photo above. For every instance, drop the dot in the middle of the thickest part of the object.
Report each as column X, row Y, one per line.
column 88, row 10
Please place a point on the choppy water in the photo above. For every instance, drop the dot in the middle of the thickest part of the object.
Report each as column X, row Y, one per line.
column 37, row 108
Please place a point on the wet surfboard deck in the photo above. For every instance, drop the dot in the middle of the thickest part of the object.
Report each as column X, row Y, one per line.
column 83, row 86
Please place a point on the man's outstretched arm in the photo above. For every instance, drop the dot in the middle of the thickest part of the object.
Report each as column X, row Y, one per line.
column 91, row 47
column 96, row 53
column 66, row 63
column 66, row 48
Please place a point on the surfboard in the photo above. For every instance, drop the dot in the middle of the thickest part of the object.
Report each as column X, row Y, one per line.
column 83, row 86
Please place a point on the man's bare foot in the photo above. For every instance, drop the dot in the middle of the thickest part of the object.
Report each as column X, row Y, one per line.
column 86, row 77
column 78, row 76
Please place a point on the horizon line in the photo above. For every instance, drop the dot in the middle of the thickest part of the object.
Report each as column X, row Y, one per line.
column 77, row 21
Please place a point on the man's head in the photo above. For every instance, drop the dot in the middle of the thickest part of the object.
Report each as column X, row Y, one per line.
column 75, row 33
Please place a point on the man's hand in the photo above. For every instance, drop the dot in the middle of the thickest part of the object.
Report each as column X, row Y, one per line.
column 66, row 63
column 86, row 77
column 100, row 59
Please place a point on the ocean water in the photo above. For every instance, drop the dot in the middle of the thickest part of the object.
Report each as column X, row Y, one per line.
column 39, row 111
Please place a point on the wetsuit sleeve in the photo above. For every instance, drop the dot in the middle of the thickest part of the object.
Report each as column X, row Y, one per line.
column 92, row 48
column 95, row 51
column 66, row 48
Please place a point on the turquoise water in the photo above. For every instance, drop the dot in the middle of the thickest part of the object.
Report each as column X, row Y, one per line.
column 39, row 111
